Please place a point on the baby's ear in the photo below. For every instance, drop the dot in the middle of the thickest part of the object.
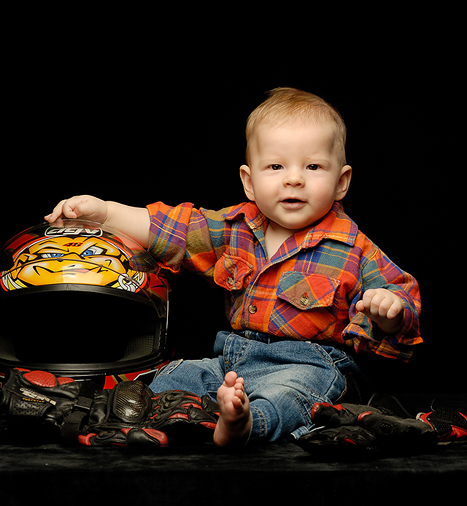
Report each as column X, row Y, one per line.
column 344, row 182
column 245, row 176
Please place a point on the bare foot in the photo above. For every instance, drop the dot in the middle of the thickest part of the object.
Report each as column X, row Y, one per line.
column 233, row 426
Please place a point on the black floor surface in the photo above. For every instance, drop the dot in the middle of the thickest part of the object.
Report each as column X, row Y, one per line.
column 210, row 475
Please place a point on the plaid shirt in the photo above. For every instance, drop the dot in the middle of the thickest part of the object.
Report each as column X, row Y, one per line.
column 308, row 290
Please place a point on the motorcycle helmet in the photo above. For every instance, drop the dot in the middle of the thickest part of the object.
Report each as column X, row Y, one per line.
column 80, row 299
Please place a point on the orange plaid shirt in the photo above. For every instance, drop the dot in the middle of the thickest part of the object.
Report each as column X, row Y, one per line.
column 308, row 290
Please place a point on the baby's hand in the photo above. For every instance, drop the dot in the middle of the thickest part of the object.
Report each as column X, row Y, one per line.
column 84, row 206
column 383, row 307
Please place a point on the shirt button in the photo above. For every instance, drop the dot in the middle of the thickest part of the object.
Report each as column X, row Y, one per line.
column 252, row 309
column 230, row 281
column 304, row 300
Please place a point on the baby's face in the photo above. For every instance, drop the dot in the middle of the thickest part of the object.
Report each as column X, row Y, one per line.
column 294, row 174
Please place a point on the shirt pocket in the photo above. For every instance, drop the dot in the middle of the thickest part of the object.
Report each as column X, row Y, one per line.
column 307, row 291
column 232, row 273
column 305, row 307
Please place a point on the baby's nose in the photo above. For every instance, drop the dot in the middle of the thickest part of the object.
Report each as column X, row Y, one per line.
column 294, row 177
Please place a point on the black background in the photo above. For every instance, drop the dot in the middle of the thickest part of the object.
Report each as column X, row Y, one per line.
column 152, row 106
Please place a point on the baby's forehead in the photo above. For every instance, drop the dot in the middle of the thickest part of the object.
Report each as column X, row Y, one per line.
column 304, row 122
column 324, row 131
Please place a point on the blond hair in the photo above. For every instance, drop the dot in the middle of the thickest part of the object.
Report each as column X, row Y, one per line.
column 286, row 104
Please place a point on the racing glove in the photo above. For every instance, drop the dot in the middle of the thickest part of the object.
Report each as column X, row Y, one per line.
column 449, row 424
column 77, row 412
column 359, row 429
column 33, row 404
column 131, row 414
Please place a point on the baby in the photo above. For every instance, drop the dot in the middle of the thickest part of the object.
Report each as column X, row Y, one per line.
column 306, row 289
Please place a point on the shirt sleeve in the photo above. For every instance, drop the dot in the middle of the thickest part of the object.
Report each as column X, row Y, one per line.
column 183, row 236
column 378, row 271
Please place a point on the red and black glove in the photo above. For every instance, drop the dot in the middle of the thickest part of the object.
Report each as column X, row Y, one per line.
column 449, row 424
column 353, row 429
column 128, row 414
column 35, row 404
column 131, row 414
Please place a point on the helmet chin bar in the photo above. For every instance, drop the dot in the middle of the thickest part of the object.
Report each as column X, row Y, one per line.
column 81, row 330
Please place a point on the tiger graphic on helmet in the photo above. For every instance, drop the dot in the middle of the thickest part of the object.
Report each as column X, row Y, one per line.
column 72, row 255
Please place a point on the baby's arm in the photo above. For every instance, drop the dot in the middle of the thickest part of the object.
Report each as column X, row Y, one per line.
column 385, row 308
column 132, row 221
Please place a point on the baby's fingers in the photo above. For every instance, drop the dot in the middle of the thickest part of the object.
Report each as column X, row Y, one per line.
column 396, row 308
column 79, row 207
column 380, row 303
column 56, row 213
column 369, row 303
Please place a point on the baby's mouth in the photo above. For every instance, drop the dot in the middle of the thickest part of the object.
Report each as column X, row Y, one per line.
column 292, row 203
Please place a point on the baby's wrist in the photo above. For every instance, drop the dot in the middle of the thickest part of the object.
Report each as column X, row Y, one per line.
column 390, row 327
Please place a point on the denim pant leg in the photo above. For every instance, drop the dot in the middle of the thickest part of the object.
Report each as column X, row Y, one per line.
column 283, row 380
column 197, row 376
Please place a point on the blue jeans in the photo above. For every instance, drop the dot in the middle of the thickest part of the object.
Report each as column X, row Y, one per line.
column 283, row 379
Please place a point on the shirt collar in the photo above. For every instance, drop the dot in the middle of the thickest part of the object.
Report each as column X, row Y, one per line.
column 335, row 225
column 249, row 212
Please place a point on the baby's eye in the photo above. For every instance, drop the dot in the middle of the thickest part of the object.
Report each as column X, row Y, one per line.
column 275, row 166
column 312, row 166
